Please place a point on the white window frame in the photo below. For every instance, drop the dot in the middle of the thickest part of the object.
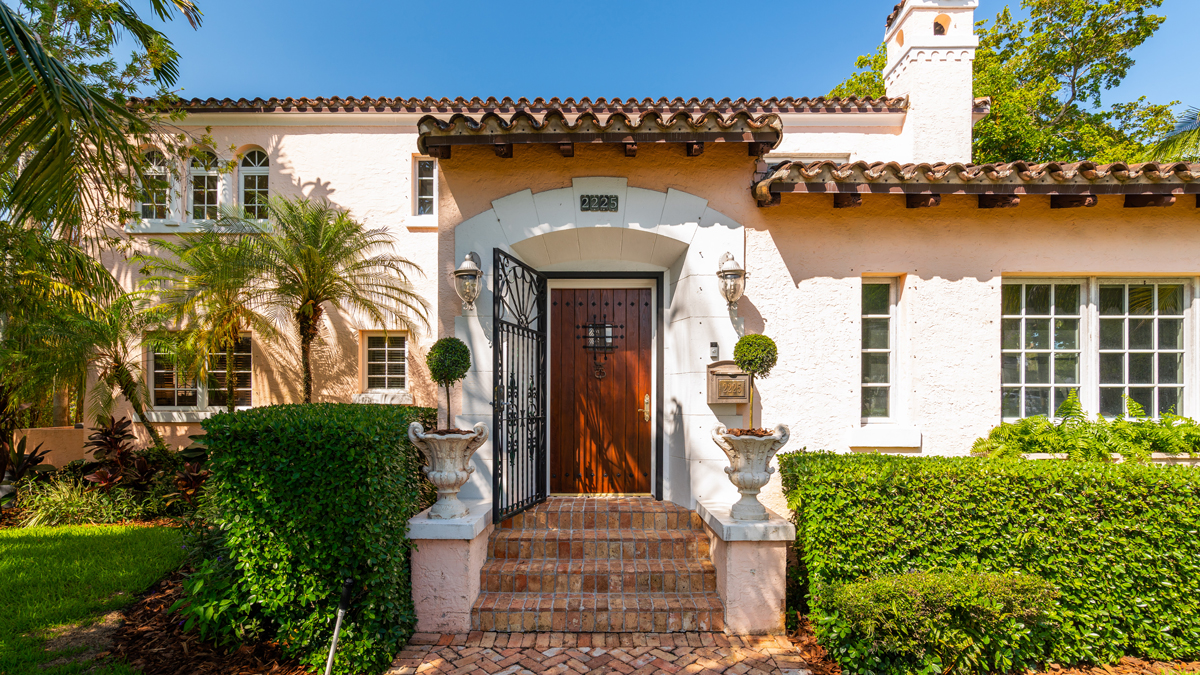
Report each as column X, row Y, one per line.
column 165, row 174
column 416, row 187
column 1083, row 342
column 364, row 363
column 245, row 171
column 195, row 172
column 893, row 284
column 203, row 407
column 1089, row 375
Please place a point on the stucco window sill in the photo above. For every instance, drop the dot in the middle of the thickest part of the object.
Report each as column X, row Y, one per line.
column 884, row 436
column 177, row 416
column 385, row 397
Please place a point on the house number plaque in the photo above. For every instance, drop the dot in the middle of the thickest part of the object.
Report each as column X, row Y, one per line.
column 598, row 203
column 727, row 383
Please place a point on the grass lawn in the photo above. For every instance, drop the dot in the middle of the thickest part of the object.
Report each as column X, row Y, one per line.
column 52, row 576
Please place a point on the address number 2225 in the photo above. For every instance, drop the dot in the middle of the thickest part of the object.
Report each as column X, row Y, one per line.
column 597, row 202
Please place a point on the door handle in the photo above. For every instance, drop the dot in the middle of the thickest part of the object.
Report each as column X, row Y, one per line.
column 645, row 409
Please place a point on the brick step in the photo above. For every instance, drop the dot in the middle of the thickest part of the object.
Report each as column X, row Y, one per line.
column 598, row 612
column 598, row 545
column 639, row 513
column 598, row 576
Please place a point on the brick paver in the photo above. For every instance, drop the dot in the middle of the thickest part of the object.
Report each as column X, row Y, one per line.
column 486, row 653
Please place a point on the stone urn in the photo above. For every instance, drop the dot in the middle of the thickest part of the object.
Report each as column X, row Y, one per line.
column 449, row 457
column 750, row 466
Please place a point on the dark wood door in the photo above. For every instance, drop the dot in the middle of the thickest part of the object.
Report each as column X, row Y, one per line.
column 599, row 430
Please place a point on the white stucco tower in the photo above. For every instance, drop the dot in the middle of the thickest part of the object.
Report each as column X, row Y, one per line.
column 930, row 53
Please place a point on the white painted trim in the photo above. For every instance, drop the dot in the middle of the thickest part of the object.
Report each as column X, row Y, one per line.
column 886, row 435
column 723, row 525
column 477, row 519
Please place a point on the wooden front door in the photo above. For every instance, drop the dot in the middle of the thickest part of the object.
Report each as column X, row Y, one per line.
column 599, row 424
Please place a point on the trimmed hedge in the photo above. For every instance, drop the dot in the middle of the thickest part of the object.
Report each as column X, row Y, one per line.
column 1120, row 542
column 307, row 496
column 938, row 622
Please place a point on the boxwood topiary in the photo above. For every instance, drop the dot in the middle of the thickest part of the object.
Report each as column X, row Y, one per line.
column 755, row 354
column 310, row 495
column 449, row 359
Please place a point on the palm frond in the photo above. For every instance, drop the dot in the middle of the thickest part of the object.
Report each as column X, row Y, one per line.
column 1182, row 144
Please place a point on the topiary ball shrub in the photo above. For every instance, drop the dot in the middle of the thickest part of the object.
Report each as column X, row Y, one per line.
column 755, row 354
column 937, row 622
column 308, row 496
column 449, row 359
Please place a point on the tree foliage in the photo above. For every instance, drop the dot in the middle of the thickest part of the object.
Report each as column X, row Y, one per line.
column 449, row 359
column 1047, row 75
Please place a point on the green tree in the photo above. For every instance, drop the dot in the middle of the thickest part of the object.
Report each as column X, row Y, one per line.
column 314, row 256
column 1181, row 144
column 868, row 81
column 449, row 359
column 1046, row 76
column 67, row 138
column 208, row 283
column 109, row 342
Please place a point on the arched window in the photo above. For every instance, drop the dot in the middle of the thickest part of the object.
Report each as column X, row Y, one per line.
column 155, row 203
column 255, row 169
column 205, row 186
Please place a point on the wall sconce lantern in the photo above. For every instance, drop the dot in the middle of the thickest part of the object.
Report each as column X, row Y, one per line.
column 733, row 279
column 467, row 280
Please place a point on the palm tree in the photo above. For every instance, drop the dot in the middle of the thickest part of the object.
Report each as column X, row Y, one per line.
column 1182, row 144
column 108, row 341
column 316, row 256
column 210, row 284
column 56, row 132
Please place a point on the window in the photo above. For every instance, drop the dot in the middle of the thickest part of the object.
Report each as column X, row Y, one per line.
column 254, row 173
column 1040, row 347
column 878, row 300
column 218, row 371
column 155, row 194
column 173, row 389
column 426, row 186
column 1141, row 347
column 386, row 361
column 1108, row 339
column 205, row 186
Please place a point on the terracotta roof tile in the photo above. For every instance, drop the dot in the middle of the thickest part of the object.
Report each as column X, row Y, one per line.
column 599, row 106
column 895, row 13
column 523, row 127
column 1009, row 178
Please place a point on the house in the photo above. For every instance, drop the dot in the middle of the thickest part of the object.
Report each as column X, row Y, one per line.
column 917, row 300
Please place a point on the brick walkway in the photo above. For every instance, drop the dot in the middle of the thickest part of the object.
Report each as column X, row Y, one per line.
column 481, row 653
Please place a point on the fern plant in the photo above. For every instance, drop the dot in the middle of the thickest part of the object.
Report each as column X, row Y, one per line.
column 1133, row 436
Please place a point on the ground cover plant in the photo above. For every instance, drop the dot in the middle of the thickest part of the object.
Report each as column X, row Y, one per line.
column 71, row 575
column 302, row 498
column 1133, row 436
column 1117, row 541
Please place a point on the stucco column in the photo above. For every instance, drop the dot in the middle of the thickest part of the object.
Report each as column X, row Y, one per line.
column 446, row 564
column 750, row 558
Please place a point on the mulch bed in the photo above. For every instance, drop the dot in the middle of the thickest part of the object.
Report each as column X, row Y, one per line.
column 10, row 518
column 820, row 663
column 152, row 640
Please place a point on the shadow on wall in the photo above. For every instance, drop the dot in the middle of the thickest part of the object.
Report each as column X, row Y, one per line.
column 679, row 487
column 752, row 319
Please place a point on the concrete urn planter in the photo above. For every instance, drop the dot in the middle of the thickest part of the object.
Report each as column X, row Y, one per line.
column 750, row 467
column 449, row 467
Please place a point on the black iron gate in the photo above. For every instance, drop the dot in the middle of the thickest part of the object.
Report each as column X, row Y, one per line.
column 519, row 387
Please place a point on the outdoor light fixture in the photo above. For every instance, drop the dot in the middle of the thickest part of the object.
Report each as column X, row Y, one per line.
column 467, row 280
column 733, row 279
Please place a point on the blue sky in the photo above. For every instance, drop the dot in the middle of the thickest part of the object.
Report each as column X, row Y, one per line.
column 618, row 48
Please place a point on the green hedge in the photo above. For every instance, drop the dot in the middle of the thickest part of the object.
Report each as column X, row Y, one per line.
column 309, row 495
column 924, row 622
column 1120, row 542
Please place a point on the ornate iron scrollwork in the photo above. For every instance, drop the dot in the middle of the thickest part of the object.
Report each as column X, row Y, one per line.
column 599, row 338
